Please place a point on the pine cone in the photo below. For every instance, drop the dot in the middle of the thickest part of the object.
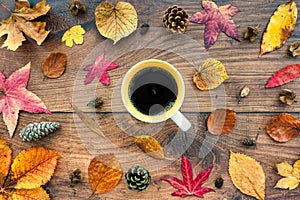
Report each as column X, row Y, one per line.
column 138, row 178
column 176, row 19
column 35, row 131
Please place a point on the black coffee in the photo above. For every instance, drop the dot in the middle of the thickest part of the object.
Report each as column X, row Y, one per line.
column 153, row 90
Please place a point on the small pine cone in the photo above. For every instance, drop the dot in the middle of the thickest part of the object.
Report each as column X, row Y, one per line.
column 35, row 131
column 176, row 19
column 138, row 178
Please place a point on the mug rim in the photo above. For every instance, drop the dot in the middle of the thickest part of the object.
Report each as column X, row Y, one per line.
column 143, row 65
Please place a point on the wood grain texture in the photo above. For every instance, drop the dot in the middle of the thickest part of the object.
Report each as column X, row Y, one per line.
column 78, row 145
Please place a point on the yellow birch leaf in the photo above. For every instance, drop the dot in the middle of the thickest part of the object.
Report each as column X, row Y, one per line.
column 116, row 22
column 104, row 173
column 33, row 167
column 210, row 75
column 288, row 183
column 32, row 194
column 247, row 175
column 280, row 27
column 73, row 34
column 5, row 160
column 149, row 145
column 284, row 169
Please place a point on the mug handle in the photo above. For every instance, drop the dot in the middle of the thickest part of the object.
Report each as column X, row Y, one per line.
column 181, row 121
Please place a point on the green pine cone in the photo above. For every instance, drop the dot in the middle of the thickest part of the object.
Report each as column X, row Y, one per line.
column 35, row 131
column 138, row 178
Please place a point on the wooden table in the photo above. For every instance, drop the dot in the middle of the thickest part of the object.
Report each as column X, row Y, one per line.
column 79, row 145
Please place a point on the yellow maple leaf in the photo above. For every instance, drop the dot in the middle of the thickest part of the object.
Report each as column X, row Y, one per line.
column 32, row 168
column 19, row 22
column 73, row 34
column 116, row 22
column 291, row 174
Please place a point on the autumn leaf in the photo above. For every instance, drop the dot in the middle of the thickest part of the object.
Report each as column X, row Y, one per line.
column 104, row 173
column 54, row 65
column 291, row 174
column 20, row 21
column 149, row 145
column 99, row 69
column 253, row 182
column 16, row 97
column 284, row 128
column 116, row 22
column 73, row 34
column 210, row 75
column 190, row 186
column 33, row 194
column 285, row 75
column 280, row 27
column 221, row 121
column 216, row 19
column 5, row 158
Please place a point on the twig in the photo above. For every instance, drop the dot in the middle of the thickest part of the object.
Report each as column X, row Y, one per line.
column 5, row 7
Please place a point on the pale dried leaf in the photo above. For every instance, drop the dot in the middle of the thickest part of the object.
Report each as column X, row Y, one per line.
column 288, row 183
column 284, row 169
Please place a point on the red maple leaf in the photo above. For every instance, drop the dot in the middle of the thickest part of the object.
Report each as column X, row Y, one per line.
column 98, row 69
column 16, row 97
column 190, row 186
column 216, row 19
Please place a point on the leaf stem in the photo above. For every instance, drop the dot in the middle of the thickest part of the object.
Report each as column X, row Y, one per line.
column 5, row 7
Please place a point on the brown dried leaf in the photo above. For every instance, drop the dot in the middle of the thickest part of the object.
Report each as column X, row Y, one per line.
column 221, row 121
column 284, row 128
column 251, row 33
column 294, row 49
column 104, row 173
column 287, row 96
column 247, row 175
column 55, row 65
column 149, row 145
column 77, row 6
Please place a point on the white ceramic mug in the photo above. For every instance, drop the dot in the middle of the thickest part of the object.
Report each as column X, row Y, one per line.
column 164, row 77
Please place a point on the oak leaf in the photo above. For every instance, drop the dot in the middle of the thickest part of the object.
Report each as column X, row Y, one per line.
column 285, row 75
column 247, row 175
column 216, row 19
column 16, row 97
column 99, row 69
column 31, row 169
column 190, row 186
column 221, row 121
column 210, row 75
column 280, row 27
column 20, row 21
column 104, row 173
column 55, row 65
column 115, row 22
column 291, row 174
column 284, row 128
column 149, row 145
column 73, row 34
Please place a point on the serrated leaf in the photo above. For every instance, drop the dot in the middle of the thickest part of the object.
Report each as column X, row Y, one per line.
column 5, row 159
column 280, row 27
column 32, row 194
column 149, row 145
column 284, row 128
column 285, row 75
column 104, row 173
column 210, row 75
column 247, row 175
column 116, row 22
column 33, row 167
column 221, row 121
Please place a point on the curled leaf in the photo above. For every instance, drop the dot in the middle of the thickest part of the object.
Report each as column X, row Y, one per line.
column 77, row 6
column 244, row 92
column 247, row 175
column 115, row 22
column 5, row 159
column 104, row 173
column 221, row 121
column 54, row 65
column 284, row 128
column 280, row 27
column 73, row 34
column 149, row 145
column 294, row 49
column 287, row 96
column 285, row 75
column 210, row 75
column 251, row 33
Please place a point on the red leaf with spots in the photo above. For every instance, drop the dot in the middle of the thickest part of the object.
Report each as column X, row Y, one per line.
column 285, row 75
column 16, row 97
column 216, row 19
column 190, row 186
column 99, row 69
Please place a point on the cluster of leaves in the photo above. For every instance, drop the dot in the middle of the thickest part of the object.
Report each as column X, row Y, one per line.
column 291, row 174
